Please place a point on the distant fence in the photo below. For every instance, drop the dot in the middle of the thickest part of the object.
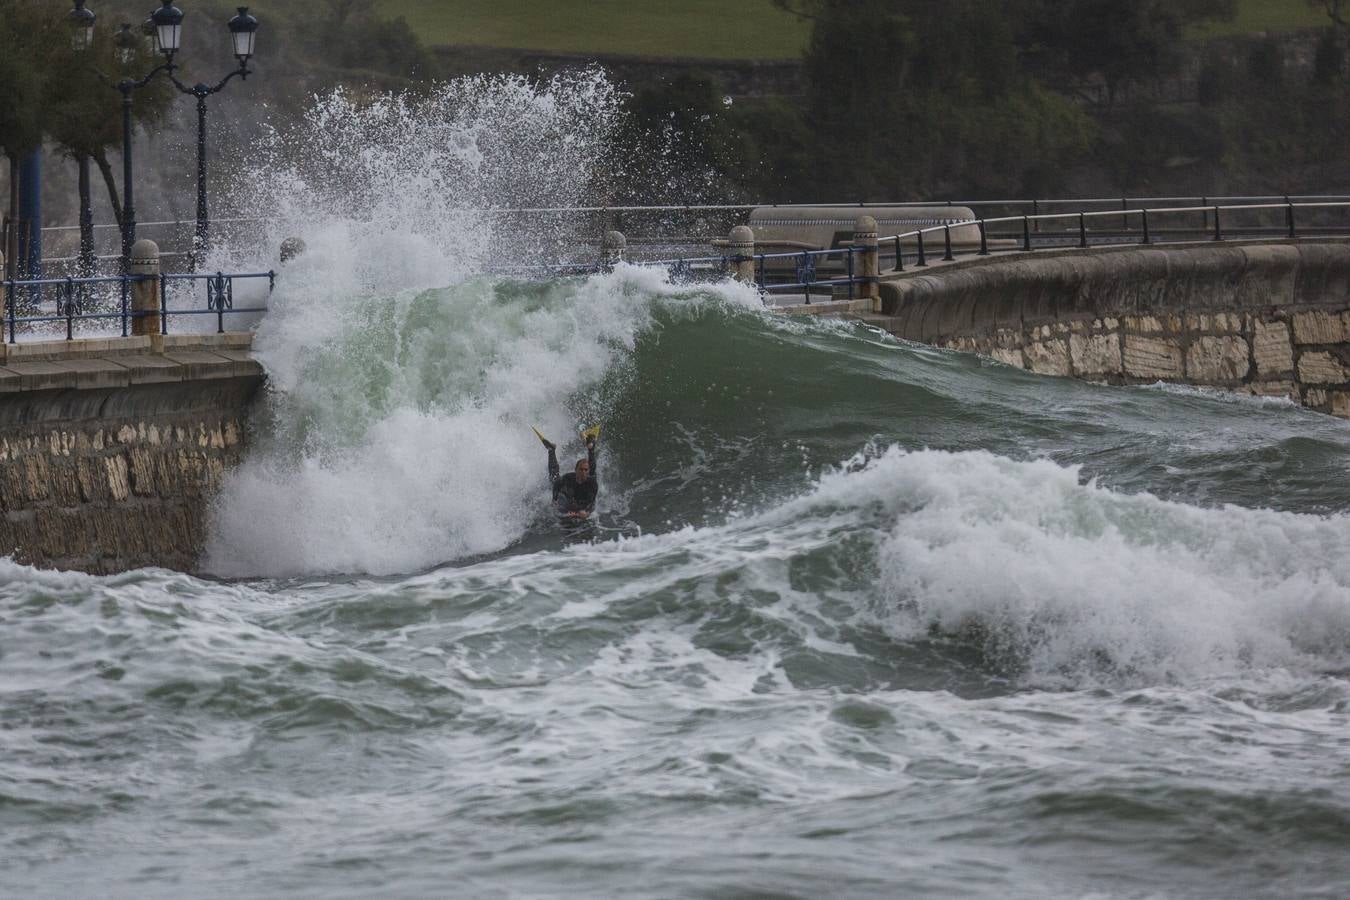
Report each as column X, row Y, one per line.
column 853, row 268
column 671, row 235
column 652, row 232
column 1027, row 232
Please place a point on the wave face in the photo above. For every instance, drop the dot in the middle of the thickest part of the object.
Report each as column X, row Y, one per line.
column 859, row 617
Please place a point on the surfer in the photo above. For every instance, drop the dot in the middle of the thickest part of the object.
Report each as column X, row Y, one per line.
column 574, row 493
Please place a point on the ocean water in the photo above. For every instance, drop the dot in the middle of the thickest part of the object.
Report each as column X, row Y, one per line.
column 862, row 618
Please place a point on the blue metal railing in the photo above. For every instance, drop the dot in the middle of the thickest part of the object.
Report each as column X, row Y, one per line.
column 109, row 298
column 805, row 270
column 219, row 297
column 804, row 266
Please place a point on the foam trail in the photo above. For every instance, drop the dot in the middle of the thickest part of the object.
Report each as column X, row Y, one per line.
column 1064, row 581
column 1055, row 582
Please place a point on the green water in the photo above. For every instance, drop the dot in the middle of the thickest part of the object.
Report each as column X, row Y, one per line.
column 900, row 622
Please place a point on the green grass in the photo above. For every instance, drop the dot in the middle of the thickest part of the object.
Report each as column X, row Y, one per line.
column 1268, row 15
column 695, row 28
column 687, row 28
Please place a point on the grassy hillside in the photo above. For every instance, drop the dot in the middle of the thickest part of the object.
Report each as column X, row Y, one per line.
column 699, row 28
column 1269, row 15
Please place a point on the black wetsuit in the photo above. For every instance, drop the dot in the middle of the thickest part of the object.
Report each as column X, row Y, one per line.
column 568, row 495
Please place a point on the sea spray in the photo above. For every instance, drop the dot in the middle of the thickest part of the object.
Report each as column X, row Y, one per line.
column 398, row 381
column 1052, row 581
column 393, row 190
column 400, row 437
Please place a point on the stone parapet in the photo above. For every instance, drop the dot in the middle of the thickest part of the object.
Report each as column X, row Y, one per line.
column 1269, row 318
column 111, row 449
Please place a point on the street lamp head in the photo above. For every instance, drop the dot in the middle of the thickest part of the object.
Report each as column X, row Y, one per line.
column 243, row 31
column 168, row 21
column 81, row 26
column 127, row 45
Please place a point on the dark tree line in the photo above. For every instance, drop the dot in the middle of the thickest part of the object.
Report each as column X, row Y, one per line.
column 908, row 99
column 977, row 97
column 902, row 99
column 52, row 94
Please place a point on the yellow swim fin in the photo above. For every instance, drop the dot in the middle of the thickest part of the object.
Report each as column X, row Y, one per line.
column 543, row 440
column 589, row 433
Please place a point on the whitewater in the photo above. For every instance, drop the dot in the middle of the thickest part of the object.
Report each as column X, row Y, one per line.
column 880, row 620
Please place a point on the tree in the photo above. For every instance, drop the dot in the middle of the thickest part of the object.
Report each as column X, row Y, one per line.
column 84, row 113
column 1122, row 43
column 909, row 98
column 354, row 36
column 1329, row 61
column 678, row 144
column 25, row 39
column 54, row 92
column 1337, row 10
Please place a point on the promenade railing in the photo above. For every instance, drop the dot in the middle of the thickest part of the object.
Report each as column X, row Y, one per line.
column 1145, row 225
column 836, row 271
column 839, row 272
column 656, row 230
column 80, row 303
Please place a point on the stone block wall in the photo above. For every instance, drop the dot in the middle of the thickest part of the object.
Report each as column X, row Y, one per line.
column 1268, row 319
column 110, row 495
column 110, row 455
column 1277, row 354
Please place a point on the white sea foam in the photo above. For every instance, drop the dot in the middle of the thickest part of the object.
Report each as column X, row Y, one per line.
column 1060, row 582
column 1063, row 583
column 1065, row 580
column 400, row 438
column 400, row 407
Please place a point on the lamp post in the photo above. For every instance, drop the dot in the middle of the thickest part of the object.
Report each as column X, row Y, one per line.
column 165, row 26
column 81, row 26
column 168, row 21
column 243, row 33
column 81, row 36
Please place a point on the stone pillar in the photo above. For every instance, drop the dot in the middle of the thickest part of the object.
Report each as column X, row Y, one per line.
column 5, row 300
column 614, row 246
column 145, row 294
column 867, row 264
column 741, row 253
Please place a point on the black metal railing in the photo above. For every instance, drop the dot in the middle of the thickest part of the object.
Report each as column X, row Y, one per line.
column 89, row 301
column 1219, row 222
column 660, row 231
column 811, row 271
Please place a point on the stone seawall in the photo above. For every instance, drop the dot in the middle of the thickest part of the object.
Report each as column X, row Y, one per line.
column 111, row 449
column 1269, row 317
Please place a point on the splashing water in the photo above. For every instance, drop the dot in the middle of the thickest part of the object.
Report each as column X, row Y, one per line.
column 397, row 402
column 391, row 192
column 404, row 439
column 1047, row 637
